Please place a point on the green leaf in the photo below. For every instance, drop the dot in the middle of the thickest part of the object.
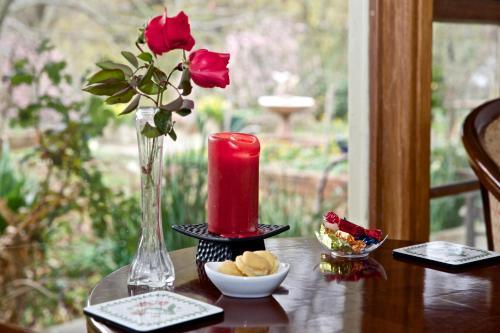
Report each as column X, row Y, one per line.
column 132, row 105
column 20, row 64
column 147, row 77
column 123, row 96
column 20, row 78
column 106, row 74
column 146, row 56
column 53, row 70
column 159, row 75
column 147, row 85
column 44, row 46
column 150, row 131
column 106, row 88
column 149, row 88
column 175, row 105
column 163, row 121
column 113, row 65
column 172, row 134
column 130, row 58
column 29, row 115
column 68, row 78
column 185, row 83
column 186, row 108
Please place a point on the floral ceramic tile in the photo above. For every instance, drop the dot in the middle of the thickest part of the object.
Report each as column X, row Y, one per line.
column 152, row 311
column 447, row 253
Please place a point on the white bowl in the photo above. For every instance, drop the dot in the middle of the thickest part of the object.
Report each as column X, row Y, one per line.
column 245, row 286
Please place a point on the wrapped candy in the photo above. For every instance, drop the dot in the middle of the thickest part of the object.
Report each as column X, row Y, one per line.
column 374, row 233
column 344, row 236
column 333, row 222
column 333, row 242
column 342, row 241
column 358, row 246
column 367, row 240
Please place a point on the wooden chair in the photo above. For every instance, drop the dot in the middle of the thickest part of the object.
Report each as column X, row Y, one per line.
column 481, row 138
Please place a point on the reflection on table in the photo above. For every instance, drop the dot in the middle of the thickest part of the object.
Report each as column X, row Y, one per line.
column 343, row 269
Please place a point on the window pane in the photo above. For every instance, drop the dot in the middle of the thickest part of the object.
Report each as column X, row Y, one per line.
column 278, row 48
column 465, row 74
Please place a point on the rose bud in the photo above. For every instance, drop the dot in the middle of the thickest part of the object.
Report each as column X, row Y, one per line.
column 168, row 33
column 209, row 69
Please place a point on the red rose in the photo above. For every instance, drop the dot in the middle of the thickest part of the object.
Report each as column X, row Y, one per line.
column 168, row 33
column 209, row 69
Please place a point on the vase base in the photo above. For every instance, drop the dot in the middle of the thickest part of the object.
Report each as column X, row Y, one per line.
column 151, row 269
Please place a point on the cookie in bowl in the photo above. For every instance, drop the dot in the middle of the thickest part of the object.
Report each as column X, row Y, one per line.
column 251, row 275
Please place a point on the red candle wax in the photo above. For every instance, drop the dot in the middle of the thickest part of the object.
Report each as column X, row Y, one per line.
column 233, row 184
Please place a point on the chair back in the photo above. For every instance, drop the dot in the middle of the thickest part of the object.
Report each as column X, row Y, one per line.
column 481, row 139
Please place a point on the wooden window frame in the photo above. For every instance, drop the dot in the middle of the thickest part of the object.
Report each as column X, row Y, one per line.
column 400, row 74
column 400, row 81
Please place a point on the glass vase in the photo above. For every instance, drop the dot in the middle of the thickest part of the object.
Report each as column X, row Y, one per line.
column 152, row 267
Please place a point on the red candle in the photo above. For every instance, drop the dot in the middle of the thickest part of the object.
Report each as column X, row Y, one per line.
column 233, row 184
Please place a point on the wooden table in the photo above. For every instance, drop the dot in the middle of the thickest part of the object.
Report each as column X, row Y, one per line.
column 409, row 297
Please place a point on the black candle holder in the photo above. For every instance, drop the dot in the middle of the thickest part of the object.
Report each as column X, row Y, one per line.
column 212, row 247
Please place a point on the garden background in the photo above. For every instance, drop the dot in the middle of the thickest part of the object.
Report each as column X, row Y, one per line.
column 69, row 182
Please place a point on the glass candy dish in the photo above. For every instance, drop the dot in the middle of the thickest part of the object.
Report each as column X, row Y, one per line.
column 340, row 248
